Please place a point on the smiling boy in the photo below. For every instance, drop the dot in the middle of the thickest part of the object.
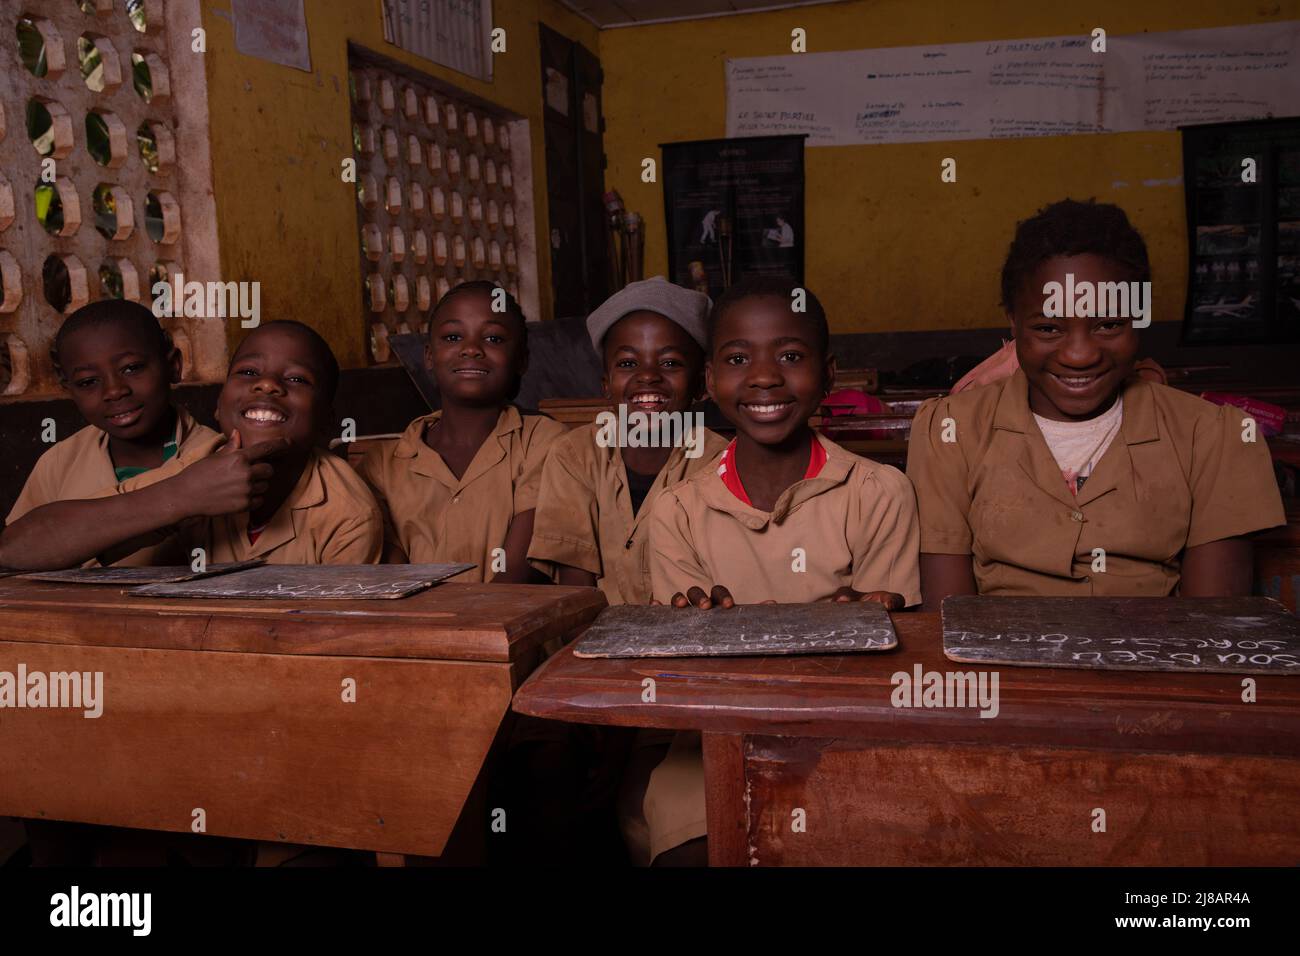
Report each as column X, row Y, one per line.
column 783, row 516
column 118, row 366
column 264, row 488
column 1074, row 476
column 591, row 526
column 460, row 484
column 781, row 497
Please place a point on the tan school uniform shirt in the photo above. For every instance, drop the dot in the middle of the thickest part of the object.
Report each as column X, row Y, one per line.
column 855, row 523
column 81, row 467
column 1177, row 475
column 584, row 512
column 330, row 517
column 433, row 517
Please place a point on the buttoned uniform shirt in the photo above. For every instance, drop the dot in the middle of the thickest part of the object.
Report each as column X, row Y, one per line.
column 584, row 512
column 81, row 467
column 853, row 525
column 330, row 517
column 1180, row 473
column 434, row 517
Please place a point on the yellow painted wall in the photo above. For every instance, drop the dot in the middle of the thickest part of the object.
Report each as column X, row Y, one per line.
column 890, row 247
column 285, row 218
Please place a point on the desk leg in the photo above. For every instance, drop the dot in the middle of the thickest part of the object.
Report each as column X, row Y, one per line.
column 390, row 859
column 724, row 797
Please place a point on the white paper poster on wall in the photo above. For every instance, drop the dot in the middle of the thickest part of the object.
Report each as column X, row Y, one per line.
column 1008, row 88
column 274, row 30
column 455, row 33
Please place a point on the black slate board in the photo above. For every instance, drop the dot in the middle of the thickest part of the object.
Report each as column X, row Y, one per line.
column 745, row 630
column 131, row 577
column 1253, row 635
column 312, row 582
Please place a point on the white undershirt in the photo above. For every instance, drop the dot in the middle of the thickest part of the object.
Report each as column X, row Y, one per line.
column 1078, row 446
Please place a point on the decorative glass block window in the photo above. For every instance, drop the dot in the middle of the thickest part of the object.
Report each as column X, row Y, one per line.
column 443, row 192
column 95, row 194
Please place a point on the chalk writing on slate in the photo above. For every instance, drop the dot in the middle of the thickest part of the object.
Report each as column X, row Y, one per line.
column 747, row 629
column 1253, row 635
column 131, row 577
column 312, row 582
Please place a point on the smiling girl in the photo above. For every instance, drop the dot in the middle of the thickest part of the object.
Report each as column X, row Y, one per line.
column 1074, row 476
column 460, row 485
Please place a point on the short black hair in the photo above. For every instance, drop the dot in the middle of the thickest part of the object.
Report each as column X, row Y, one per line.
column 1072, row 228
column 488, row 288
column 107, row 311
column 323, row 353
column 778, row 288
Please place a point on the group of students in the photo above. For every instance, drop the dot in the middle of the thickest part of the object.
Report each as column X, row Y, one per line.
column 1012, row 488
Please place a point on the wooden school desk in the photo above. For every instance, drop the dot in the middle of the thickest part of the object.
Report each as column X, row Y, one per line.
column 1186, row 773
column 236, row 708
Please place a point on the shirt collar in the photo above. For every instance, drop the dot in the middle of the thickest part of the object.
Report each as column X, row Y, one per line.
column 1138, row 425
column 839, row 463
column 287, row 523
column 428, row 463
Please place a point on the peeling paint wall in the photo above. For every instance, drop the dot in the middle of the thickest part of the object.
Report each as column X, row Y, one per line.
column 278, row 135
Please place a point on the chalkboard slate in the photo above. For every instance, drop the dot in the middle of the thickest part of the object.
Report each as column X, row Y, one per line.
column 745, row 630
column 312, row 582
column 137, row 576
column 1253, row 635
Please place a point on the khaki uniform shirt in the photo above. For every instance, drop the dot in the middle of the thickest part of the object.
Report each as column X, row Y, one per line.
column 81, row 467
column 584, row 512
column 854, row 525
column 1177, row 475
column 433, row 517
column 330, row 517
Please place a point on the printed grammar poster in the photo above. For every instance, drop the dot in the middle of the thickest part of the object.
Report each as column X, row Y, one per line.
column 734, row 208
column 1044, row 86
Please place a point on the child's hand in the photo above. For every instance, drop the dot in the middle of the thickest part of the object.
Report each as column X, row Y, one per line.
column 695, row 597
column 233, row 480
column 891, row 600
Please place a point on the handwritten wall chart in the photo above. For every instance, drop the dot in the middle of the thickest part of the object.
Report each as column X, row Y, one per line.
column 1013, row 88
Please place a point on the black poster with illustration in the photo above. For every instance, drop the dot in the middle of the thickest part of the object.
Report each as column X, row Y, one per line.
column 734, row 210
column 1243, row 221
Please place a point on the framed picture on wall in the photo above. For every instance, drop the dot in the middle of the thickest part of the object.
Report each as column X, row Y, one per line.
column 734, row 209
column 1242, row 184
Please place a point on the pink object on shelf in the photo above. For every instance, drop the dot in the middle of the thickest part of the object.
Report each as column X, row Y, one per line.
column 1271, row 418
column 847, row 402
column 852, row 401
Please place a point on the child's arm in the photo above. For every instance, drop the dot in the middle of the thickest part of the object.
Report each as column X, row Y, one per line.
column 892, row 600
column 677, row 575
column 945, row 574
column 68, row 533
column 885, row 535
column 938, row 472
column 1218, row 569
column 566, row 535
column 575, row 577
column 1234, row 494
column 518, row 537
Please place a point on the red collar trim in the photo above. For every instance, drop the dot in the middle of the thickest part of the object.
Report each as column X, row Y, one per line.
column 731, row 477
